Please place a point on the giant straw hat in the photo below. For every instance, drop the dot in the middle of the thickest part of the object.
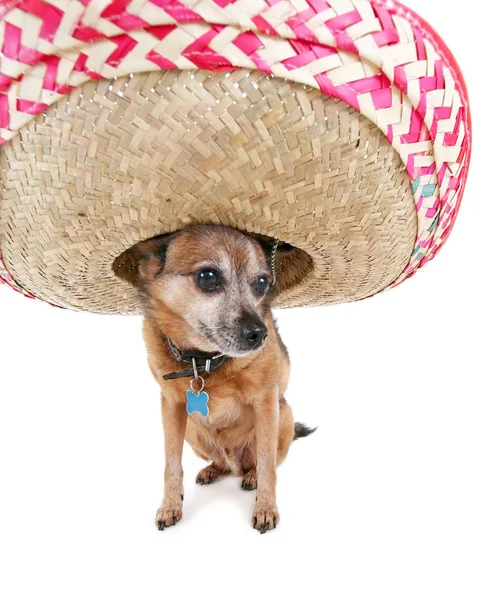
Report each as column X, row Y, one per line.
column 339, row 126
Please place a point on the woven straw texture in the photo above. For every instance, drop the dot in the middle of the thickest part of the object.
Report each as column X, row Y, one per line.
column 124, row 160
column 376, row 56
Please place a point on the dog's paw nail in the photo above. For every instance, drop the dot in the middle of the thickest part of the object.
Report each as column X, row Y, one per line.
column 166, row 517
column 265, row 518
column 254, row 522
column 182, row 496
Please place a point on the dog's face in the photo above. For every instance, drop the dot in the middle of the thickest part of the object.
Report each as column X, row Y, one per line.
column 207, row 286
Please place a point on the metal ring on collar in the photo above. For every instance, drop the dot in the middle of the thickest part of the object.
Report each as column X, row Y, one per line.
column 191, row 385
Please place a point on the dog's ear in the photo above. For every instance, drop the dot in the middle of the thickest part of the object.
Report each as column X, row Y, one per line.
column 142, row 262
column 283, row 250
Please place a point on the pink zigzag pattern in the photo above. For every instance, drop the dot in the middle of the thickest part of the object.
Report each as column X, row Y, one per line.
column 381, row 37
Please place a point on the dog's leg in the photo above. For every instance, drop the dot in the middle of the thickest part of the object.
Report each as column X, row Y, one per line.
column 265, row 514
column 174, row 425
column 286, row 436
column 286, row 432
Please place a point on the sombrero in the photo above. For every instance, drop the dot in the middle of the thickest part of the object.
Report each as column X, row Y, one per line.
column 341, row 127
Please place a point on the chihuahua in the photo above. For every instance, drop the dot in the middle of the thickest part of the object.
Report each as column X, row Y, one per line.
column 215, row 350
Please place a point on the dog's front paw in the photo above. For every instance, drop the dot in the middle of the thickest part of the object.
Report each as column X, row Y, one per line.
column 168, row 516
column 265, row 517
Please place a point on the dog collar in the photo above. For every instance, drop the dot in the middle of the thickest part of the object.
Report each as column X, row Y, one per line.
column 201, row 362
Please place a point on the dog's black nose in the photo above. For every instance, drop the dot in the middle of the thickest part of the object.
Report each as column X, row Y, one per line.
column 253, row 331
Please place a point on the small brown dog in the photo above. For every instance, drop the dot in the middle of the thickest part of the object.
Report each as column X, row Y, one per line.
column 206, row 293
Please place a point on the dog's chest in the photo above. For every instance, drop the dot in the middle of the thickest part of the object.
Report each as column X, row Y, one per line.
column 225, row 411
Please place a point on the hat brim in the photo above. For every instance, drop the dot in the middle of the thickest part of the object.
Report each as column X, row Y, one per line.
column 367, row 189
column 125, row 160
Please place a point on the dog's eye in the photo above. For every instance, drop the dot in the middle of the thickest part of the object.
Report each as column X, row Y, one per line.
column 208, row 280
column 262, row 284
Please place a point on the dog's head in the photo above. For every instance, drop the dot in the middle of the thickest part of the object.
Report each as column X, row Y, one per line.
column 206, row 286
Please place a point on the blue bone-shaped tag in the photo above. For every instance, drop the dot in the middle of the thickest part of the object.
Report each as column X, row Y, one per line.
column 197, row 403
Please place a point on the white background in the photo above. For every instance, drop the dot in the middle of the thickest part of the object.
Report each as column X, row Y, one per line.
column 381, row 503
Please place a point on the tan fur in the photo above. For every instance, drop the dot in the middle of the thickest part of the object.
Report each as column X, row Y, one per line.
column 250, row 427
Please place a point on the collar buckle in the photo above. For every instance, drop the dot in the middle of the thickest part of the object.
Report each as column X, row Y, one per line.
column 201, row 362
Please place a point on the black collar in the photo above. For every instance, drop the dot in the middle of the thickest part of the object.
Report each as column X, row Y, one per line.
column 202, row 362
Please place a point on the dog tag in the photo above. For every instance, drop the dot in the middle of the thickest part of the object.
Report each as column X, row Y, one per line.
column 197, row 402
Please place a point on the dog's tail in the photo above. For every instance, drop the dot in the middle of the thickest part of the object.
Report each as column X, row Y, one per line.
column 302, row 430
